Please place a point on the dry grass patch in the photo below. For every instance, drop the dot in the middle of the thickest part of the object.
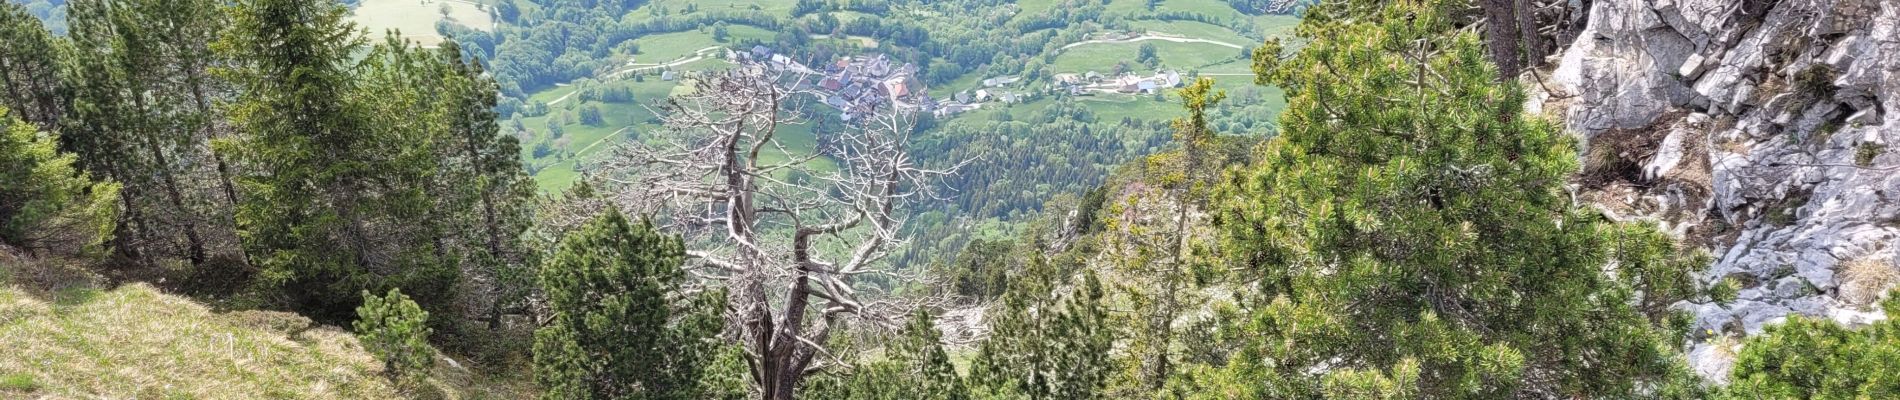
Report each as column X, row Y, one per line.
column 135, row 342
column 1863, row 280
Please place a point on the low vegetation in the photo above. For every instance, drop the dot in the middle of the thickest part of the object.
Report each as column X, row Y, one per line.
column 1807, row 358
column 135, row 341
column 1864, row 279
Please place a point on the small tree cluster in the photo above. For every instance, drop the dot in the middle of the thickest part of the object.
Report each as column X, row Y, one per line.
column 396, row 330
column 45, row 203
column 591, row 116
column 616, row 330
column 1045, row 346
column 1816, row 359
column 914, row 367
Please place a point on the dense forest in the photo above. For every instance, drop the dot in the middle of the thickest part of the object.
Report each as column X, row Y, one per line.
column 1402, row 228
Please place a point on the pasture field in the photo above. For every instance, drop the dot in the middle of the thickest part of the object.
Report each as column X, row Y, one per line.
column 1032, row 7
column 416, row 19
column 1218, row 8
column 582, row 144
column 1102, row 57
column 661, row 48
column 1193, row 29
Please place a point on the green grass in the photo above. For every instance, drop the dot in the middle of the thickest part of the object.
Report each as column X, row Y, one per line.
column 137, row 342
column 1204, row 7
column 666, row 47
column 800, row 141
column 19, row 382
column 1112, row 107
column 1277, row 25
column 1030, row 8
column 1236, row 66
column 1102, row 57
column 551, row 94
column 1194, row 29
column 969, row 81
column 1215, row 8
column 416, row 19
column 1128, row 7
column 1270, row 25
column 624, row 122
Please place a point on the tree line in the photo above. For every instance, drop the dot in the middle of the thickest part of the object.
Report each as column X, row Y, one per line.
column 267, row 152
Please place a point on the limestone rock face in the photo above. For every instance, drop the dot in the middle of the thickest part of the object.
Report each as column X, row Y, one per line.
column 1783, row 111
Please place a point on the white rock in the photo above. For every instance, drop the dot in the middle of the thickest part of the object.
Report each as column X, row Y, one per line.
column 1691, row 68
column 1855, row 318
column 1667, row 156
column 1712, row 362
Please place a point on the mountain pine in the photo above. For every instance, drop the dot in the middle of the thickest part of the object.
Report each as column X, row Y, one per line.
column 396, row 330
column 1044, row 345
column 45, row 203
column 615, row 330
column 1410, row 235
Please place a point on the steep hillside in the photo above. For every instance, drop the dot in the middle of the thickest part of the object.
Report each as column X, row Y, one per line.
column 1759, row 129
column 137, row 342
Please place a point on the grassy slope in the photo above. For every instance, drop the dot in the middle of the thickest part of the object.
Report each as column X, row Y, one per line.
column 417, row 19
column 136, row 342
column 667, row 47
column 630, row 121
column 1195, row 30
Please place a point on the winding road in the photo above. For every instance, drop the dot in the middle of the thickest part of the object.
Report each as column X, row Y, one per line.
column 697, row 55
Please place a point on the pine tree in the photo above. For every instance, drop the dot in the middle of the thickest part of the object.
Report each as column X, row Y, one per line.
column 1807, row 358
column 914, row 367
column 1158, row 258
column 1409, row 230
column 614, row 332
column 484, row 177
column 396, row 330
column 28, row 68
column 1045, row 346
column 337, row 170
column 46, row 204
column 142, row 115
column 95, row 127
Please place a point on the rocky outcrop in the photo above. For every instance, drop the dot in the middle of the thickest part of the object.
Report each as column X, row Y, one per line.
column 1772, row 123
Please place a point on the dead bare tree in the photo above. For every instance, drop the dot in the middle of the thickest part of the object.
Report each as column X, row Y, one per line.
column 787, row 239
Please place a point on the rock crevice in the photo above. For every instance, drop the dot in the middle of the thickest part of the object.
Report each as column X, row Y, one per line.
column 1780, row 113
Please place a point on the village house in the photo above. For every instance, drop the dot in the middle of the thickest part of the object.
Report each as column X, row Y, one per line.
column 1128, row 84
column 1007, row 97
